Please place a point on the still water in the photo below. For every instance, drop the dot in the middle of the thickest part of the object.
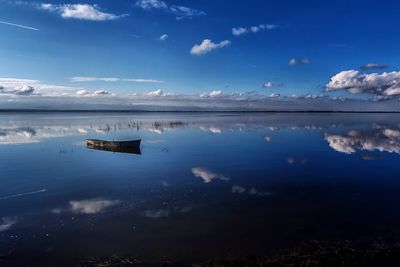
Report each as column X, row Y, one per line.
column 206, row 185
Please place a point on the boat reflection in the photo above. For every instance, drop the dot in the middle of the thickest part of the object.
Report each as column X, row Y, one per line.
column 132, row 146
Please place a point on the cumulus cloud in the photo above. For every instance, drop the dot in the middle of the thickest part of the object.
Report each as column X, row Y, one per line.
column 254, row 29
column 6, row 223
column 274, row 95
column 20, row 90
column 156, row 93
column 91, row 206
column 207, row 176
column 212, row 94
column 294, row 62
column 163, row 37
column 101, row 92
column 373, row 66
column 80, row 11
column 18, row 25
column 180, row 12
column 386, row 84
column 82, row 92
column 268, row 85
column 112, row 79
column 382, row 140
column 239, row 31
column 207, row 46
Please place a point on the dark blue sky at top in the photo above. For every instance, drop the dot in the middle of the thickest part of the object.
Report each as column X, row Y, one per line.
column 333, row 35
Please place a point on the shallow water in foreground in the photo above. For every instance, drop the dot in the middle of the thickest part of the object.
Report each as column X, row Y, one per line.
column 206, row 185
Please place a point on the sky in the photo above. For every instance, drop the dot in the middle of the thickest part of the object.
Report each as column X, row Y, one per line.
column 254, row 54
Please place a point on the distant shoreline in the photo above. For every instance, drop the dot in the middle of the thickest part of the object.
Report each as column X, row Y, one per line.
column 178, row 111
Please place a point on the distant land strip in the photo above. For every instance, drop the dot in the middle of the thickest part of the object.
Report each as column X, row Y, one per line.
column 181, row 111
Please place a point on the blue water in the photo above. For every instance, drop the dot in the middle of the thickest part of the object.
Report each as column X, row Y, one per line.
column 206, row 185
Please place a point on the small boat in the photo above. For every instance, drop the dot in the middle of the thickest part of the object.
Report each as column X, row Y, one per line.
column 132, row 146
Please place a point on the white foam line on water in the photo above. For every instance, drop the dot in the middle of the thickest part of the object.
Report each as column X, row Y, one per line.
column 24, row 194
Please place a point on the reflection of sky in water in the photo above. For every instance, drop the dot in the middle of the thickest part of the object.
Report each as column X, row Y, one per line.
column 241, row 182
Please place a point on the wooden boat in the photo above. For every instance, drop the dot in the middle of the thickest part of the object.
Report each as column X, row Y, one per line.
column 132, row 146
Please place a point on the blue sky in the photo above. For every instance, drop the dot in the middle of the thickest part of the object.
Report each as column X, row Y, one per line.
column 165, row 48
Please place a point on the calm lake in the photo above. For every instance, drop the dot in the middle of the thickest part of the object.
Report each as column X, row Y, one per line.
column 206, row 185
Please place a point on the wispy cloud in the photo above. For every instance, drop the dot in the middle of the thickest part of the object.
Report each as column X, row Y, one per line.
column 80, row 11
column 112, row 79
column 163, row 37
column 207, row 46
column 385, row 84
column 373, row 66
column 180, row 12
column 27, row 87
column 294, row 62
column 18, row 25
column 254, row 29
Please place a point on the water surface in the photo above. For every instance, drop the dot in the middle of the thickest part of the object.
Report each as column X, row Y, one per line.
column 206, row 185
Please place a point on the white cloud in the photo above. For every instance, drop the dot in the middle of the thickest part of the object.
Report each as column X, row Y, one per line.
column 239, row 31
column 294, row 61
column 18, row 25
column 28, row 87
column 101, row 92
column 254, row 29
column 98, row 93
column 80, row 11
column 207, row 176
column 268, row 85
column 156, row 93
column 112, row 79
column 207, row 46
column 274, row 95
column 82, row 92
column 180, row 12
column 91, row 206
column 212, row 94
column 387, row 83
column 6, row 223
column 151, row 4
column 163, row 37
column 262, row 27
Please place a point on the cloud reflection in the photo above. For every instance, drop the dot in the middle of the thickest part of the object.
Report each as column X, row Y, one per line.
column 381, row 139
column 207, row 176
column 87, row 206
column 91, row 206
column 6, row 223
